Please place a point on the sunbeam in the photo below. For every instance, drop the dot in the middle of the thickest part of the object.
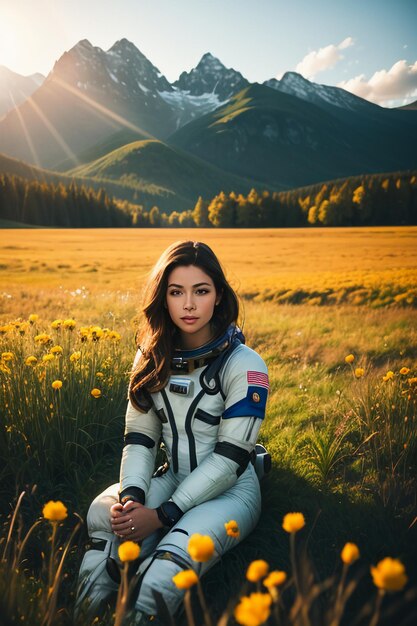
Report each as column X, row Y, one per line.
column 25, row 132
column 53, row 131
column 102, row 109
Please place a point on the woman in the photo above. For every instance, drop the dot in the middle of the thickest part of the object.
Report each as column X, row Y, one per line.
column 196, row 386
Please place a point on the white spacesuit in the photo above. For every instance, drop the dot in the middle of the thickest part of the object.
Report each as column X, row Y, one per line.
column 208, row 417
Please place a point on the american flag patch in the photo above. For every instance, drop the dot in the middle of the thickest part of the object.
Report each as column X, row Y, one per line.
column 259, row 379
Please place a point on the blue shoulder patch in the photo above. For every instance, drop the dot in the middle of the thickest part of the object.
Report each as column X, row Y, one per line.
column 254, row 404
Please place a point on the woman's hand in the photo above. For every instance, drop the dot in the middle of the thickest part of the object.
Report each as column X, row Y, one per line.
column 136, row 516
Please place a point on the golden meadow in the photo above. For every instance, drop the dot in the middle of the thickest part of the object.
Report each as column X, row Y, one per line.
column 341, row 431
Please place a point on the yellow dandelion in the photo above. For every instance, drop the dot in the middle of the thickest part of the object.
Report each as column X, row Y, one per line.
column 275, row 579
column 200, row 547
column 115, row 335
column 43, row 338
column 4, row 368
column 57, row 384
column 55, row 511
column 185, row 579
column 75, row 356
column 96, row 332
column 350, row 553
column 96, row 393
column 388, row 376
column 293, row 522
column 349, row 358
column 389, row 575
column 404, row 371
column 47, row 357
column 232, row 528
column 128, row 551
column 359, row 372
column 6, row 328
column 56, row 324
column 56, row 350
column 33, row 318
column 257, row 570
column 70, row 324
column 31, row 360
column 253, row 610
column 7, row 356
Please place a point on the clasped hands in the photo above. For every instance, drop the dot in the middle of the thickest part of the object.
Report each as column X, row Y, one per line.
column 133, row 520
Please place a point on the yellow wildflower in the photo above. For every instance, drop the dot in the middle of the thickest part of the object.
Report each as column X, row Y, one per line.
column 128, row 551
column 96, row 393
column 99, row 375
column 96, row 332
column 200, row 547
column 47, row 357
column 349, row 358
column 350, row 553
column 5, row 329
column 115, row 335
column 253, row 610
column 31, row 360
column 275, row 579
column 412, row 381
column 404, row 371
column 185, row 579
column 75, row 356
column 388, row 376
column 359, row 372
column 55, row 511
column 33, row 318
column 7, row 356
column 232, row 528
column 4, row 368
column 69, row 323
column 56, row 350
column 57, row 384
column 257, row 570
column 56, row 324
column 293, row 522
column 389, row 575
column 43, row 338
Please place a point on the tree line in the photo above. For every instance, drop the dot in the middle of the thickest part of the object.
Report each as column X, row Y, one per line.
column 375, row 199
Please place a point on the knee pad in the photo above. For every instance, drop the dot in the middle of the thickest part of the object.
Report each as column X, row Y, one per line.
column 156, row 574
column 99, row 576
column 98, row 516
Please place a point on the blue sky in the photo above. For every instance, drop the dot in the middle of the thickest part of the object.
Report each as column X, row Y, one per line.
column 366, row 46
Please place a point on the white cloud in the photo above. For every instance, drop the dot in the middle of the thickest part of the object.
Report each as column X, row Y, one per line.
column 323, row 59
column 386, row 87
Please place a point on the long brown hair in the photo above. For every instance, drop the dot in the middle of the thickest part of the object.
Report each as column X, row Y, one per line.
column 156, row 337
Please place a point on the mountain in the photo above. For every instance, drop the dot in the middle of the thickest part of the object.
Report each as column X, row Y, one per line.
column 282, row 139
column 89, row 96
column 15, row 89
column 321, row 95
column 211, row 76
column 169, row 177
column 411, row 106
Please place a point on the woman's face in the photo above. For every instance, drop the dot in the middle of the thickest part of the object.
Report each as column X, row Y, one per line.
column 191, row 298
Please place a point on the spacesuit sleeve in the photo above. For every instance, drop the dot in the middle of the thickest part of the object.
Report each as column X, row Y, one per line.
column 245, row 385
column 142, row 435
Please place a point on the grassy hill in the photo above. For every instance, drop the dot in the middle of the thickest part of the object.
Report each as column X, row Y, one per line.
column 174, row 178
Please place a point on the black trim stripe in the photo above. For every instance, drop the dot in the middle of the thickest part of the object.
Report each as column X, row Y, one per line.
column 213, row 420
column 189, row 430
column 139, row 439
column 173, row 425
column 234, row 453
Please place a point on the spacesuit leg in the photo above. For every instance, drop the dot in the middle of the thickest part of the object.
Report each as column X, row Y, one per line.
column 242, row 503
column 97, row 578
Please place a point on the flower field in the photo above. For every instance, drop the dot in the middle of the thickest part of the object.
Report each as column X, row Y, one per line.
column 333, row 314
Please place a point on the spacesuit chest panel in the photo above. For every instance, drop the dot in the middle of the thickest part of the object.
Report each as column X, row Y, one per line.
column 190, row 419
